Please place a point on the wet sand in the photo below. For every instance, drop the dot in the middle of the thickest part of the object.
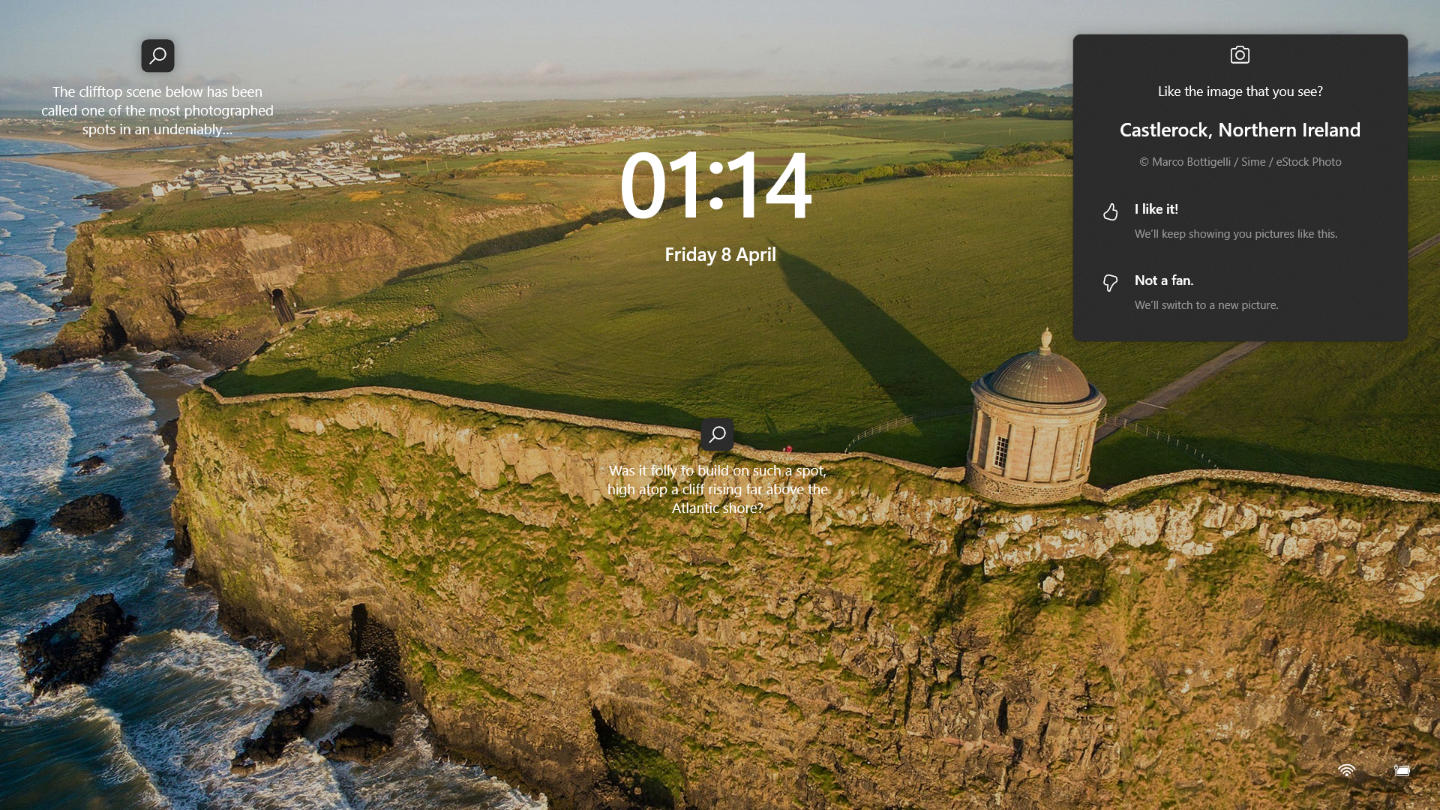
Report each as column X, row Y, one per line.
column 115, row 174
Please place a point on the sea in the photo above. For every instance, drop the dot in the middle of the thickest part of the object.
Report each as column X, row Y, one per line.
column 177, row 699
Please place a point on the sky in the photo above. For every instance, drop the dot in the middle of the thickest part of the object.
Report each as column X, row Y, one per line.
column 366, row 52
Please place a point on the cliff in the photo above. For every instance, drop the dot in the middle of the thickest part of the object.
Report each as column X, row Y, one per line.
column 210, row 289
column 891, row 641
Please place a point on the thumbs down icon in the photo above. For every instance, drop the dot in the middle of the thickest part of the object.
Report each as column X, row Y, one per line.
column 1110, row 281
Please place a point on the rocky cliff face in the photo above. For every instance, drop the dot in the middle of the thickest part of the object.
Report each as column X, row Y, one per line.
column 893, row 642
column 210, row 289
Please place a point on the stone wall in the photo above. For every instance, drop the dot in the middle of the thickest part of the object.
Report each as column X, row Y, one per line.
column 1089, row 491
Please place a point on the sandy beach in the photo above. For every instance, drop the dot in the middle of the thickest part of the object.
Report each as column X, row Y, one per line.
column 103, row 171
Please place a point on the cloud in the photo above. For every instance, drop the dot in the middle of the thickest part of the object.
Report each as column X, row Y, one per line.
column 1424, row 59
column 996, row 65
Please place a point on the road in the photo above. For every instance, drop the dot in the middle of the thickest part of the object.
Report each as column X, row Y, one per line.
column 1161, row 399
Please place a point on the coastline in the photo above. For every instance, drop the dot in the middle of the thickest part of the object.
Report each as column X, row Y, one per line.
column 119, row 176
column 161, row 387
column 68, row 140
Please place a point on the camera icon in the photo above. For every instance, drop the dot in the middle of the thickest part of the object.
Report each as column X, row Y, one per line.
column 1239, row 55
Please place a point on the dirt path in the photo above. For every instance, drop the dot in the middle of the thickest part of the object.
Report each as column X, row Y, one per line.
column 1424, row 246
column 1159, row 400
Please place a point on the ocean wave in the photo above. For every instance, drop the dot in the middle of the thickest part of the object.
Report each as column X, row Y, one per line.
column 11, row 216
column 14, row 266
column 412, row 769
column 38, row 436
column 189, row 374
column 72, row 705
column 123, row 767
column 222, row 698
column 123, row 399
column 18, row 308
column 14, row 694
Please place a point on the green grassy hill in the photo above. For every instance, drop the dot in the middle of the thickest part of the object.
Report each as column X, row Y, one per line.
column 886, row 301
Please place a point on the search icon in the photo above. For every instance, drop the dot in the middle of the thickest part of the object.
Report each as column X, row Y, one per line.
column 157, row 56
column 717, row 435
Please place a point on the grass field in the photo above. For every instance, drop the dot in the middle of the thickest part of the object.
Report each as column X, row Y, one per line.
column 988, row 131
column 864, row 318
column 849, row 146
column 1424, row 181
column 1354, row 411
column 887, row 301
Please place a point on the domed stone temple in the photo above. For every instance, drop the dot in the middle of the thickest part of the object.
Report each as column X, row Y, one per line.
column 1035, row 419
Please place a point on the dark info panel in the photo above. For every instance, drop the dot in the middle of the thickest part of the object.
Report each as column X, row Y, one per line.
column 1240, row 188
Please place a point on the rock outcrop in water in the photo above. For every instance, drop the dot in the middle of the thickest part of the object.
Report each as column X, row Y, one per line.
column 892, row 641
column 74, row 649
column 88, row 514
column 288, row 724
column 89, row 465
column 14, row 535
column 356, row 743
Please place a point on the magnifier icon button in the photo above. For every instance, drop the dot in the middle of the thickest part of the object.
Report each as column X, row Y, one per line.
column 157, row 56
column 717, row 435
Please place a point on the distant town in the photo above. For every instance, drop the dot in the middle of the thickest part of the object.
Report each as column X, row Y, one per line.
column 346, row 163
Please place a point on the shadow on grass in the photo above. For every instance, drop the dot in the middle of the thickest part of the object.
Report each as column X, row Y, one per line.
column 834, row 438
column 916, row 379
column 1127, row 456
column 308, row 380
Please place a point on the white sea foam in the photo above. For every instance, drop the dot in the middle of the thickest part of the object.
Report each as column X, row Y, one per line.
column 113, row 394
column 14, row 695
column 123, row 767
column 73, row 703
column 189, row 748
column 18, row 308
column 412, row 769
column 11, row 216
column 15, row 266
column 37, row 445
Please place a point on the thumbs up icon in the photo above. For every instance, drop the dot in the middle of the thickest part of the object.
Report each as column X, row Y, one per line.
column 1111, row 214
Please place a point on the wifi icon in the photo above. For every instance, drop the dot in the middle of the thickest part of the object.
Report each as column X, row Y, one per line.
column 1347, row 770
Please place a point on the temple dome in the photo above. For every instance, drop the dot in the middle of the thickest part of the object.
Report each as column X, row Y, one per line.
column 1041, row 376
